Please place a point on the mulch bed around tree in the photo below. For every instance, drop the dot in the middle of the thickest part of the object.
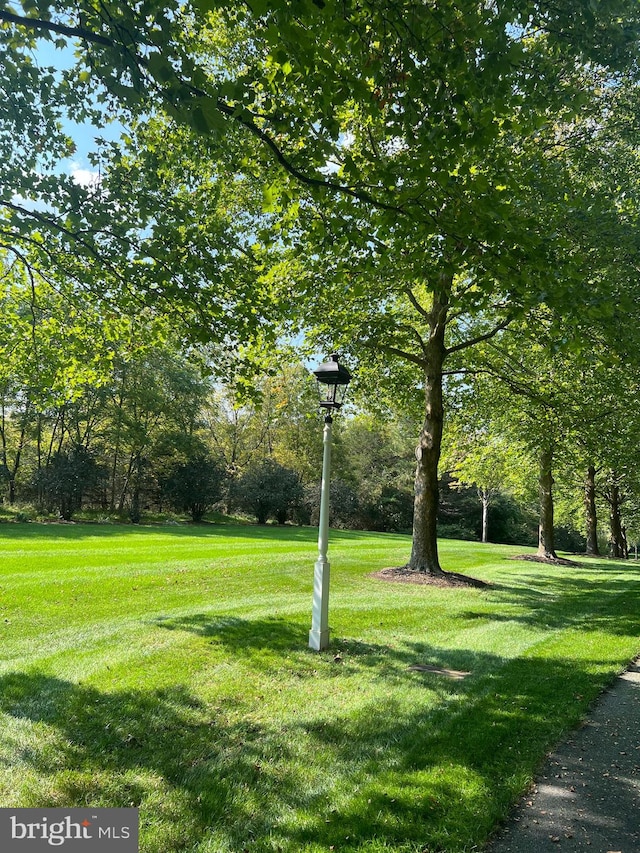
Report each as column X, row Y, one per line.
column 550, row 561
column 403, row 574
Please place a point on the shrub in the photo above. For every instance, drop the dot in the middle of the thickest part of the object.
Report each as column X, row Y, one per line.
column 391, row 510
column 195, row 485
column 344, row 506
column 268, row 490
column 68, row 477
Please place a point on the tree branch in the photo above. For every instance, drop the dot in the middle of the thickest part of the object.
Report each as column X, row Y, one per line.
column 416, row 334
column 407, row 356
column 480, row 338
column 230, row 111
column 422, row 311
column 52, row 224
column 51, row 26
column 308, row 180
column 468, row 371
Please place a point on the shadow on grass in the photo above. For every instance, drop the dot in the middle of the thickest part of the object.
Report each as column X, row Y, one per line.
column 268, row 642
column 387, row 770
column 118, row 748
column 350, row 773
column 241, row 636
column 449, row 779
column 603, row 600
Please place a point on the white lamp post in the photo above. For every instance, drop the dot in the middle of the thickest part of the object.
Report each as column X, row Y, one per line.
column 333, row 379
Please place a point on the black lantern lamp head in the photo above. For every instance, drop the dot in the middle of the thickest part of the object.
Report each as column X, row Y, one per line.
column 333, row 379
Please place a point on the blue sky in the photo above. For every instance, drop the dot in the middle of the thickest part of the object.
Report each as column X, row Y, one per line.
column 84, row 135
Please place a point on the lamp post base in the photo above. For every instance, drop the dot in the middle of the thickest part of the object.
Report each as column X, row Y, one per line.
column 319, row 640
column 319, row 633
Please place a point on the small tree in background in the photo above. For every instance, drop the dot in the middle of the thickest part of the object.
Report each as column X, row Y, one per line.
column 268, row 490
column 68, row 478
column 344, row 505
column 195, row 485
column 391, row 509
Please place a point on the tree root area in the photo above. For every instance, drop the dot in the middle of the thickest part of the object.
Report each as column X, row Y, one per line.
column 550, row 561
column 403, row 574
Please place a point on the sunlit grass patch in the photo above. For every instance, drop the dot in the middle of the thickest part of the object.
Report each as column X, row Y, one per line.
column 168, row 669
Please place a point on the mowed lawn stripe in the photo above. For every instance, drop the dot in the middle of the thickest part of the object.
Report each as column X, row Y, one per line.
column 169, row 669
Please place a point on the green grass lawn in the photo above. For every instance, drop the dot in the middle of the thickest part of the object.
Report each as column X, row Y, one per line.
column 168, row 668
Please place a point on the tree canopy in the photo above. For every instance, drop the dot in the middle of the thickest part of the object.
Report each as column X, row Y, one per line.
column 400, row 180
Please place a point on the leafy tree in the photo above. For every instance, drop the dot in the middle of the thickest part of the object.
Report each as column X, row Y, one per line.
column 268, row 490
column 478, row 454
column 274, row 417
column 295, row 439
column 154, row 393
column 439, row 225
column 344, row 506
column 371, row 454
column 52, row 346
column 560, row 388
column 424, row 154
column 195, row 485
column 537, row 404
column 390, row 510
column 76, row 374
column 67, row 479
column 372, row 450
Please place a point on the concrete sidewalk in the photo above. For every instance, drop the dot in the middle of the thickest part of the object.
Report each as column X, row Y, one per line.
column 587, row 796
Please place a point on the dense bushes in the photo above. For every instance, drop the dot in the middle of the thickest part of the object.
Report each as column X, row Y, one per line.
column 195, row 485
column 268, row 490
column 63, row 483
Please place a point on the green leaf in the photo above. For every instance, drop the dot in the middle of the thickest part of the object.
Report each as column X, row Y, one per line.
column 206, row 117
column 160, row 68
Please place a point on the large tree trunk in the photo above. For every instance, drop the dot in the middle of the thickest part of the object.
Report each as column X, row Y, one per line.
column 617, row 538
column 590, row 512
column 424, row 550
column 546, row 540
